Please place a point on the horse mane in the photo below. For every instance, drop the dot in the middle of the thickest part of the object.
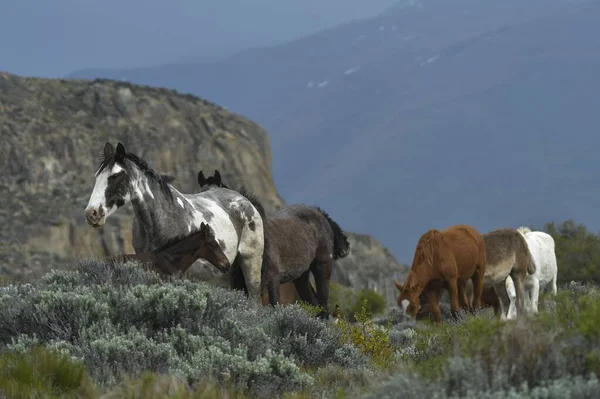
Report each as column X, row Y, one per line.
column 524, row 230
column 162, row 180
column 341, row 246
column 212, row 180
column 254, row 201
column 428, row 246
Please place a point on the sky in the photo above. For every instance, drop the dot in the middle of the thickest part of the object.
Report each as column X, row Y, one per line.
column 57, row 37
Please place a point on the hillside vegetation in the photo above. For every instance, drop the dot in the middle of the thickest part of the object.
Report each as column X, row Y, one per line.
column 99, row 330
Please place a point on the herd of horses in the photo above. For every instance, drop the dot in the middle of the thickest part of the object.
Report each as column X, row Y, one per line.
column 271, row 256
column 255, row 252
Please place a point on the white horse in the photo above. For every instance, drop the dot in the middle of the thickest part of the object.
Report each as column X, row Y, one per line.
column 542, row 248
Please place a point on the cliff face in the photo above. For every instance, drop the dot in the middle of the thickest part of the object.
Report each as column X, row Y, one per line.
column 53, row 132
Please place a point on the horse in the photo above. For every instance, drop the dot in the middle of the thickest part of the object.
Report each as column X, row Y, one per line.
column 507, row 255
column 178, row 254
column 162, row 213
column 444, row 259
column 542, row 248
column 299, row 240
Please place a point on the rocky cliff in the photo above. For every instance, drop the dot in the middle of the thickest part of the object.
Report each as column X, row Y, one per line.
column 53, row 132
column 369, row 265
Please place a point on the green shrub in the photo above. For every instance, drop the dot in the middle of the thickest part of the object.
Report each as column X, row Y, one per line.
column 38, row 372
column 351, row 301
column 370, row 338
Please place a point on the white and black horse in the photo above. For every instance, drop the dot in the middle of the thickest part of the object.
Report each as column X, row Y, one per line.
column 162, row 213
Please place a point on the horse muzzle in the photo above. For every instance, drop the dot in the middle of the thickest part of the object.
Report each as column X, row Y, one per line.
column 95, row 217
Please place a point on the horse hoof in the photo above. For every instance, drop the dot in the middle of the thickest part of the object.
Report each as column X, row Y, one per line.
column 323, row 314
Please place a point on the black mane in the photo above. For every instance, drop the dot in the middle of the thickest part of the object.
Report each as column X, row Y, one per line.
column 142, row 165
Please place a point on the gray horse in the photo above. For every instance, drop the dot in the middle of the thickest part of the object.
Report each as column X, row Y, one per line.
column 162, row 213
column 299, row 240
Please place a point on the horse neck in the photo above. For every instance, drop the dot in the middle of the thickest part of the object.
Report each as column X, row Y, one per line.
column 150, row 204
column 424, row 274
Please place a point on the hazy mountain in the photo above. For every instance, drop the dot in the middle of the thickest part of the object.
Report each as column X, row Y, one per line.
column 52, row 38
column 430, row 114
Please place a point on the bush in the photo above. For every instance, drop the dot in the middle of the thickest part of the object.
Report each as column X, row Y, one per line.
column 351, row 301
column 41, row 373
column 372, row 339
column 123, row 321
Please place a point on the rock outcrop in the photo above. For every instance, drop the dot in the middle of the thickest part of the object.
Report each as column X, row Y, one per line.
column 369, row 265
column 53, row 132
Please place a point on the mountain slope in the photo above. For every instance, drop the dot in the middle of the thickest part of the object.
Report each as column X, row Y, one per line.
column 430, row 114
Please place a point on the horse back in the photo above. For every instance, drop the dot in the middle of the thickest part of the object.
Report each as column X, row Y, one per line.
column 542, row 248
column 506, row 250
column 467, row 247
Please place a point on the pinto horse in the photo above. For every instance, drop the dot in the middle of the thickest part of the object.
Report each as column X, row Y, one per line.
column 162, row 213
column 299, row 240
column 177, row 255
column 443, row 259
column 542, row 248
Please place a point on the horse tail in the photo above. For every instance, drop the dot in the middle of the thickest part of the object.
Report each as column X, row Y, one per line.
column 341, row 246
column 531, row 268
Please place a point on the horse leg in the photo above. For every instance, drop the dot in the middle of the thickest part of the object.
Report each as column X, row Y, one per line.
column 518, row 280
column 477, row 279
column 512, row 297
column 305, row 290
column 433, row 299
column 500, row 289
column 322, row 273
column 453, row 291
column 250, row 261
column 534, row 288
column 273, row 291
column 553, row 288
column 463, row 300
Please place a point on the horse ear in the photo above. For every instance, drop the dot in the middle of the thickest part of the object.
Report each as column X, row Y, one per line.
column 398, row 285
column 217, row 178
column 108, row 150
column 201, row 179
column 120, row 152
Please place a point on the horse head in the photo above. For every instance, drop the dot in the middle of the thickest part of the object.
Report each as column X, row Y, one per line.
column 208, row 248
column 408, row 297
column 121, row 177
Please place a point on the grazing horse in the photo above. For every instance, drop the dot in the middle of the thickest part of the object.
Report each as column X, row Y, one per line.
column 507, row 255
column 162, row 213
column 299, row 240
column 444, row 259
column 178, row 254
column 542, row 249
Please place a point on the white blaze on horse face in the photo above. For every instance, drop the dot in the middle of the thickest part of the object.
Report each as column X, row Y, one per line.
column 404, row 304
column 98, row 197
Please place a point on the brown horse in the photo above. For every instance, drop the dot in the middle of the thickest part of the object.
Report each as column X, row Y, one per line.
column 507, row 255
column 443, row 259
column 177, row 255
